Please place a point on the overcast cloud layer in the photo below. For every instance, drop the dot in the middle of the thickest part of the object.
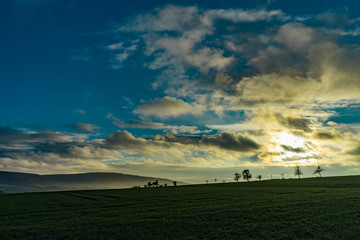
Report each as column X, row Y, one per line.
column 286, row 82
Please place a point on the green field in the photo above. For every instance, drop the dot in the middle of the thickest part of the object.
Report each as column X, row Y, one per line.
column 314, row 208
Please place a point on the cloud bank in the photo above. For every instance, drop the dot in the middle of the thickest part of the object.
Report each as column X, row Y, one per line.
column 273, row 90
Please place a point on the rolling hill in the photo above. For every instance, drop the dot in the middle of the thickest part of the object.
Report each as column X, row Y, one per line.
column 13, row 182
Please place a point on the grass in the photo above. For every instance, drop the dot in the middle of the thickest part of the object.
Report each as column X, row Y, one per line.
column 316, row 208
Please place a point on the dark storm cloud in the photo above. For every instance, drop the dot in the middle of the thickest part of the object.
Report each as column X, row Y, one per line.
column 295, row 123
column 183, row 139
column 231, row 141
column 14, row 141
column 225, row 140
column 292, row 149
column 9, row 135
column 139, row 124
column 327, row 135
column 122, row 138
column 355, row 151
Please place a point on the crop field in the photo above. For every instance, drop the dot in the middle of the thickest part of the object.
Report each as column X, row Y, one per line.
column 314, row 208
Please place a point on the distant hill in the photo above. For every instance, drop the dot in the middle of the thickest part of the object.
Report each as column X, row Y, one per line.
column 13, row 182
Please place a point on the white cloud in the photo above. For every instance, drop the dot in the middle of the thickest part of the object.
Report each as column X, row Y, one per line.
column 167, row 107
column 296, row 36
column 239, row 15
column 86, row 127
column 122, row 52
column 192, row 26
column 170, row 18
column 115, row 46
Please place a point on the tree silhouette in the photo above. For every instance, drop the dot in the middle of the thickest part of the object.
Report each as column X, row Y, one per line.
column 259, row 177
column 237, row 176
column 149, row 184
column 298, row 171
column 246, row 175
column 215, row 180
column 156, row 183
column 282, row 176
column 175, row 183
column 318, row 170
column 207, row 181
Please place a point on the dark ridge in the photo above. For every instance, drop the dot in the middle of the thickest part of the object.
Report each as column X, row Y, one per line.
column 13, row 182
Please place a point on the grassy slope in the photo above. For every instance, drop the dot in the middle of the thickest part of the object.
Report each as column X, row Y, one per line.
column 319, row 208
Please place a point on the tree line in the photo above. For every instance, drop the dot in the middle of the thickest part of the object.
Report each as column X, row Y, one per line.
column 156, row 184
column 246, row 175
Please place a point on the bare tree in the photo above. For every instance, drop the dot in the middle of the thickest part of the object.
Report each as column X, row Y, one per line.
column 237, row 176
column 259, row 177
column 156, row 183
column 318, row 170
column 282, row 176
column 246, row 175
column 298, row 171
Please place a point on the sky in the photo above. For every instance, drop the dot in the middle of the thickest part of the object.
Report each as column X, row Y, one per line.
column 186, row 90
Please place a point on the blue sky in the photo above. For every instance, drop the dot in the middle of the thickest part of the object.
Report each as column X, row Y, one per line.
column 180, row 89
